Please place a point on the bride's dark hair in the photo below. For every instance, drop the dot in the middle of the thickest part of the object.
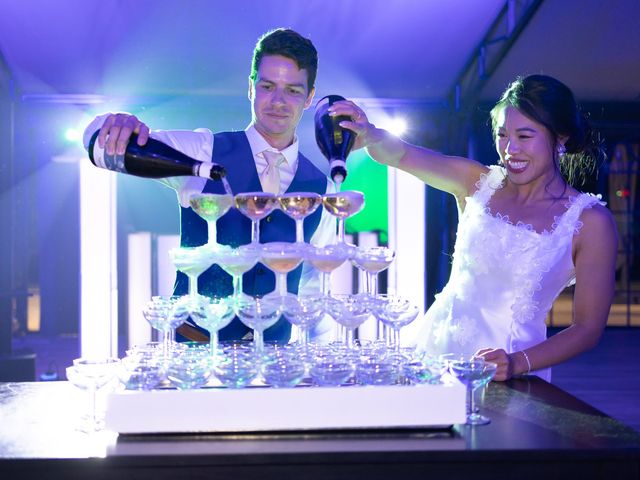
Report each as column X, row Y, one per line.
column 551, row 103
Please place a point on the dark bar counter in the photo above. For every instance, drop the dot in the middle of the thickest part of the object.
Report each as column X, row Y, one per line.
column 537, row 431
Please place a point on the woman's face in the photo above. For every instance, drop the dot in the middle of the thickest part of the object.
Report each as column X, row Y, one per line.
column 525, row 147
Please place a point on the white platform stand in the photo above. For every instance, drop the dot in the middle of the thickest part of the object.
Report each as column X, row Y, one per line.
column 257, row 409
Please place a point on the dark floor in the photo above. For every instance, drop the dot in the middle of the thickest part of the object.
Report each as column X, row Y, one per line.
column 607, row 377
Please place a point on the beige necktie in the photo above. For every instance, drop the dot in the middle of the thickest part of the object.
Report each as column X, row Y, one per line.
column 270, row 176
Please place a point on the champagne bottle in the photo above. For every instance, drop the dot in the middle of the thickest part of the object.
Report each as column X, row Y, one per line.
column 152, row 160
column 334, row 142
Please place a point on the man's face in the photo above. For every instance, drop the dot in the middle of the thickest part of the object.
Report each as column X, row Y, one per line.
column 278, row 98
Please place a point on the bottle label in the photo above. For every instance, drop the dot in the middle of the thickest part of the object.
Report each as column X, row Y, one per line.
column 110, row 162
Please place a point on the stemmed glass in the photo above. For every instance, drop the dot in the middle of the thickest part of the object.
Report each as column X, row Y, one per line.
column 281, row 258
column 255, row 206
column 214, row 315
column 211, row 206
column 373, row 260
column 304, row 311
column 473, row 372
column 258, row 313
column 326, row 259
column 299, row 205
column 343, row 205
column 395, row 312
column 236, row 262
column 192, row 261
column 164, row 314
column 350, row 311
column 90, row 375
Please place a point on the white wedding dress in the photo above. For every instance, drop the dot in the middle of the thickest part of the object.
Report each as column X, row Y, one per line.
column 504, row 278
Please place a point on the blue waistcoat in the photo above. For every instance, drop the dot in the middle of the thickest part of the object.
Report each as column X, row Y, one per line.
column 232, row 150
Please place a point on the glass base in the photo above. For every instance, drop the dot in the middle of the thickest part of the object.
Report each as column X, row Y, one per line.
column 89, row 424
column 477, row 419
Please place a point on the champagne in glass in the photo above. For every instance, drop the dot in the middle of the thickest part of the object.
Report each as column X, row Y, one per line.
column 372, row 261
column 299, row 205
column 256, row 206
column 327, row 259
column 334, row 142
column 211, row 207
column 281, row 258
column 343, row 205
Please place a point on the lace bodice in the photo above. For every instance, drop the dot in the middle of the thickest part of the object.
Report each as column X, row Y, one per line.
column 504, row 277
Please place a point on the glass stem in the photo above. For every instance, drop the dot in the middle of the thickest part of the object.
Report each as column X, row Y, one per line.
column 326, row 283
column 299, row 231
column 373, row 283
column 340, row 230
column 258, row 340
column 304, row 339
column 281, row 284
column 212, row 233
column 255, row 231
column 94, row 415
column 166, row 344
column 396, row 339
column 213, row 343
column 193, row 286
column 470, row 402
column 237, row 286
column 349, row 337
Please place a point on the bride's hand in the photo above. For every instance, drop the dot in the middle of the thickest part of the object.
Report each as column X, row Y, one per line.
column 501, row 358
column 366, row 132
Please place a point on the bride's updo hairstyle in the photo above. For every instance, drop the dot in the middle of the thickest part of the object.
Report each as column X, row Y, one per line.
column 550, row 102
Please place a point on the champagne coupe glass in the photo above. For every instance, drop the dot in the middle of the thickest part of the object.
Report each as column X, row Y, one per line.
column 281, row 258
column 256, row 206
column 164, row 315
column 299, row 205
column 214, row 315
column 304, row 311
column 473, row 372
column 373, row 260
column 343, row 205
column 90, row 375
column 190, row 370
column 236, row 262
column 258, row 313
column 192, row 261
column 350, row 311
column 474, row 416
column 326, row 259
column 211, row 206
column 395, row 312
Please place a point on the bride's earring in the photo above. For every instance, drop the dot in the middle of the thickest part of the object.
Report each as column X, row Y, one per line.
column 561, row 150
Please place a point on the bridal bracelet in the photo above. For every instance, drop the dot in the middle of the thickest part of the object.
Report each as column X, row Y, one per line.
column 526, row 357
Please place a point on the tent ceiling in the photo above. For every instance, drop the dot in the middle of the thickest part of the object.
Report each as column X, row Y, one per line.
column 403, row 49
